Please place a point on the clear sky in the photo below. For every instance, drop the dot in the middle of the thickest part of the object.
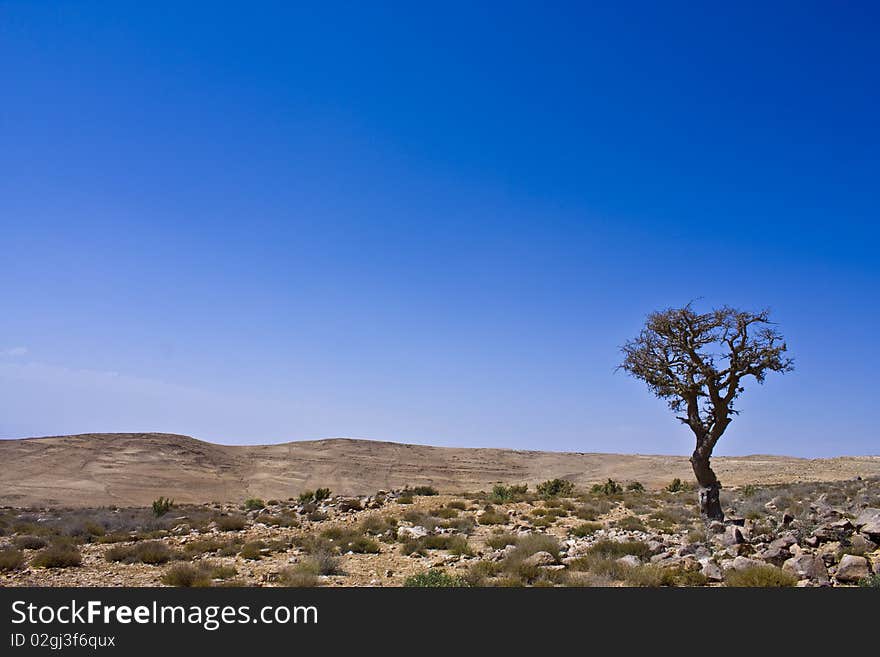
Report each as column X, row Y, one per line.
column 264, row 222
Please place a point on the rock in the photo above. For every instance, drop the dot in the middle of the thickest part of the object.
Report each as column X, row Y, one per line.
column 807, row 566
column 711, row 570
column 541, row 558
column 744, row 563
column 852, row 568
column 732, row 536
column 868, row 522
column 630, row 560
column 411, row 532
column 716, row 527
column 861, row 544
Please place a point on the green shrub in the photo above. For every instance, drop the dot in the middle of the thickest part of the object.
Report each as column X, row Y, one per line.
column 162, row 506
column 635, row 486
column 610, row 487
column 749, row 490
column 322, row 494
column 230, row 523
column 555, row 488
column 872, row 581
column 307, row 497
column 186, row 575
column 460, row 505
column 254, row 504
column 759, row 576
column 676, row 486
column 434, row 578
column 445, row 513
column 57, row 555
column 586, row 529
column 502, row 493
column 11, row 559
column 405, row 499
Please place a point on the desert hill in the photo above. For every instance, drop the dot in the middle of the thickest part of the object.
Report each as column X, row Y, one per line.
column 136, row 468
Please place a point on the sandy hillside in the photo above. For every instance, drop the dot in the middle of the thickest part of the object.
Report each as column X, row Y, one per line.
column 134, row 469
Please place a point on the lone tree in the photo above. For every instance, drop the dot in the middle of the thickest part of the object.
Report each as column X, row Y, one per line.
column 697, row 363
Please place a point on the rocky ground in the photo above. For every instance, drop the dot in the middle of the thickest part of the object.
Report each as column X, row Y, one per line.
column 816, row 534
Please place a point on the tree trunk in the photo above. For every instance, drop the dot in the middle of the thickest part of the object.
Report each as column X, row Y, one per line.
column 710, row 487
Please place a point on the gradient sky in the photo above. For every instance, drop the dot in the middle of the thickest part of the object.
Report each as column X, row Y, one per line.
column 267, row 222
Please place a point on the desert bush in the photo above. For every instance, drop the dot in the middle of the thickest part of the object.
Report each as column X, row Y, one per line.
column 586, row 529
column 349, row 505
column 218, row 571
column 252, row 550
column 162, row 506
column 454, row 543
column 303, row 574
column 759, row 576
column 29, row 542
column 635, row 486
column 463, row 525
column 479, row 572
column 492, row 517
column 405, row 499
column 655, row 576
column 444, row 512
column 254, row 504
column 349, row 540
column 529, row 544
column 460, row 505
column 268, row 519
column 434, row 578
column 11, row 559
column 57, row 555
column 307, row 497
column 615, row 549
column 610, row 487
column 322, row 494
column 555, row 488
column 230, row 523
column 630, row 523
column 148, row 552
column 186, row 575
column 500, row 541
column 423, row 490
column 377, row 524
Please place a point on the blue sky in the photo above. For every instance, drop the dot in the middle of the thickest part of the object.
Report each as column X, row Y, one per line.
column 268, row 222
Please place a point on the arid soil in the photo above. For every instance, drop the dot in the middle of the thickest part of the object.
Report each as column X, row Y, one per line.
column 134, row 469
column 616, row 534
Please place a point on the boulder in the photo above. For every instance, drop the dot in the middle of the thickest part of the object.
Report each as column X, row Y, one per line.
column 852, row 568
column 711, row 570
column 868, row 522
column 744, row 563
column 807, row 566
column 630, row 560
column 541, row 558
